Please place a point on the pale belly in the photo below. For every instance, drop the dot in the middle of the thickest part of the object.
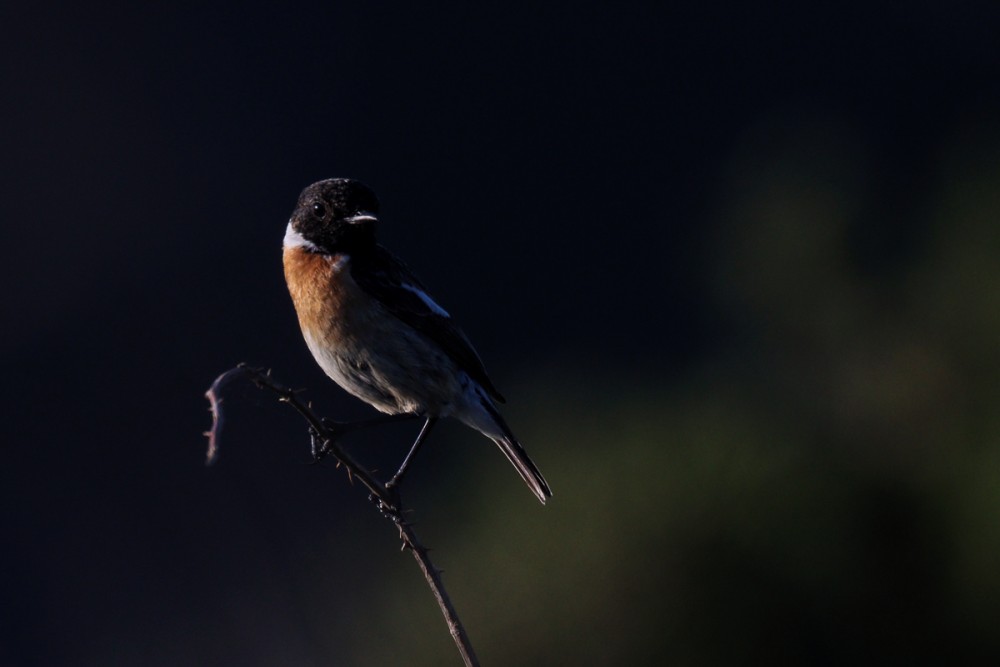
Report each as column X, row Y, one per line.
column 394, row 369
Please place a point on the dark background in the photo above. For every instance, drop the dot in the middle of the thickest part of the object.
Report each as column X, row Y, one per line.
column 734, row 266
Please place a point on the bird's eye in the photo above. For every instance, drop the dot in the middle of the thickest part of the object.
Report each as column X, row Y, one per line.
column 319, row 210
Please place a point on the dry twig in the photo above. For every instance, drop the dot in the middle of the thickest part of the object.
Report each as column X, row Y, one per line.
column 387, row 501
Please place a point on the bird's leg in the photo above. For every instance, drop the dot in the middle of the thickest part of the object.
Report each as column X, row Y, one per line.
column 398, row 477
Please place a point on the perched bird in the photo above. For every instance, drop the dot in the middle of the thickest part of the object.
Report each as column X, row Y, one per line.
column 372, row 327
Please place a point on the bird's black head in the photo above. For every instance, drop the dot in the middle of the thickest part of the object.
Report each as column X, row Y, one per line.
column 335, row 215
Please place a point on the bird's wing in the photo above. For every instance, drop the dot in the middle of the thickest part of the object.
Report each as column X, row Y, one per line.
column 390, row 282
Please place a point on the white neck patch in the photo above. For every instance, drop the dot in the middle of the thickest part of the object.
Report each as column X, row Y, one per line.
column 295, row 240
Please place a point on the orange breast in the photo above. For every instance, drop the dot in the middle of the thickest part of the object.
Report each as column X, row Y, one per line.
column 319, row 291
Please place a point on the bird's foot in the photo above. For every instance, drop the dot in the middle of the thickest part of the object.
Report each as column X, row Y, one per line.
column 390, row 506
column 319, row 445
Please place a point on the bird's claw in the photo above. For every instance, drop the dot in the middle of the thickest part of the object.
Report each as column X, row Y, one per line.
column 319, row 446
column 389, row 510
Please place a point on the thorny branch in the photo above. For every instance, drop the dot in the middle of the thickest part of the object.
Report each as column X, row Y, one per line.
column 387, row 501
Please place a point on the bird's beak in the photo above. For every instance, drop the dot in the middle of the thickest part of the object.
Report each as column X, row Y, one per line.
column 362, row 216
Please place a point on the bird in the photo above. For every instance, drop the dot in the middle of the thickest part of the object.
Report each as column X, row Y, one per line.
column 374, row 329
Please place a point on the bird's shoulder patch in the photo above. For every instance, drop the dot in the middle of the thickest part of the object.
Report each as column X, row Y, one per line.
column 390, row 282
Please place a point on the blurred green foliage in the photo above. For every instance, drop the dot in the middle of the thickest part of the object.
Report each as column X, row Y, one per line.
column 824, row 490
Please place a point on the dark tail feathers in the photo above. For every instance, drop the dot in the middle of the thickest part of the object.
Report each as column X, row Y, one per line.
column 515, row 453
